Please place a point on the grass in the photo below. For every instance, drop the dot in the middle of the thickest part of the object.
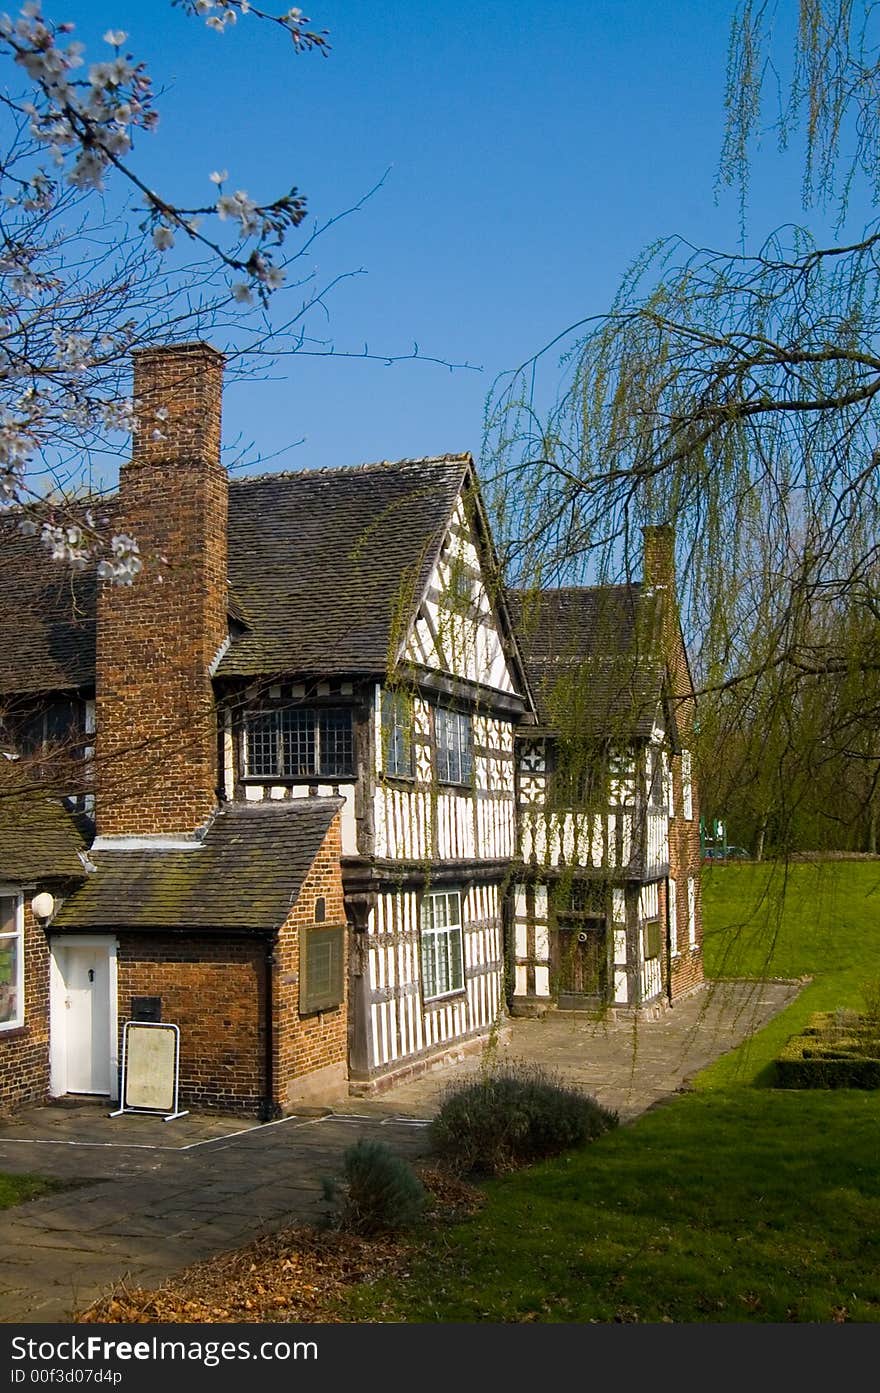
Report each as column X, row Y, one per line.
column 14, row 1189
column 736, row 1202
column 813, row 920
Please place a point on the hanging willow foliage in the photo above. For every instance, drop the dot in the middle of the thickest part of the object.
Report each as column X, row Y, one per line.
column 736, row 396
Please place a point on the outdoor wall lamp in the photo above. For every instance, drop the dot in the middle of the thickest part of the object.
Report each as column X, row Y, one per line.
column 43, row 905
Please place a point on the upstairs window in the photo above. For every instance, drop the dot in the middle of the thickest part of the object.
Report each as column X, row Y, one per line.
column 11, row 962
column 297, row 743
column 579, row 776
column 455, row 746
column 442, row 947
column 397, row 734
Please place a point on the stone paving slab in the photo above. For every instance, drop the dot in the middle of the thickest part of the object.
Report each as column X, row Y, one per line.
column 153, row 1197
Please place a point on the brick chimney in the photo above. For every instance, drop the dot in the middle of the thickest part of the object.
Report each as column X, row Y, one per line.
column 156, row 765
column 658, row 566
column 658, row 575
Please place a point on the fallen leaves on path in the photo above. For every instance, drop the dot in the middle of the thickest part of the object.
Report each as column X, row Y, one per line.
column 294, row 1275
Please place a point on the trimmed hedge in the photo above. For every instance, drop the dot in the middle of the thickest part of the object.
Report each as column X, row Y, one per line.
column 838, row 1049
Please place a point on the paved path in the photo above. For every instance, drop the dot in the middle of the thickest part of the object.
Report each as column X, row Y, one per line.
column 158, row 1196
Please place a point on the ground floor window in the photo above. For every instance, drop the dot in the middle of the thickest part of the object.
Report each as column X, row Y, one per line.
column 442, row 945
column 11, row 961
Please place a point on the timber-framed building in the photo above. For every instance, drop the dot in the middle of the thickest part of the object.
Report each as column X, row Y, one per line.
column 299, row 789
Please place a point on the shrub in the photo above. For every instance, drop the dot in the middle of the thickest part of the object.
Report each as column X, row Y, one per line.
column 378, row 1192
column 511, row 1116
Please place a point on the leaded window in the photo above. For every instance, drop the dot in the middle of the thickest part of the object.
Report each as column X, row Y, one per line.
column 455, row 747
column 442, row 945
column 397, row 734
column 297, row 742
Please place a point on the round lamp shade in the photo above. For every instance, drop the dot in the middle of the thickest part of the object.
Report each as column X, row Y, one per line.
column 43, row 904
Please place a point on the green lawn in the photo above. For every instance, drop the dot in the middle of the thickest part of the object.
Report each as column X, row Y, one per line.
column 821, row 921
column 736, row 1202
column 15, row 1188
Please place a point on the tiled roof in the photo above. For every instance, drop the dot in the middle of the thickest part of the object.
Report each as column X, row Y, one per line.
column 325, row 568
column 39, row 840
column 49, row 611
column 245, row 875
column 328, row 564
column 590, row 658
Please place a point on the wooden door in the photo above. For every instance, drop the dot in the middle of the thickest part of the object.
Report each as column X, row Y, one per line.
column 581, row 963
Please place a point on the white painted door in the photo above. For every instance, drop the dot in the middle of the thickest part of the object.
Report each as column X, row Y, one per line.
column 86, row 1007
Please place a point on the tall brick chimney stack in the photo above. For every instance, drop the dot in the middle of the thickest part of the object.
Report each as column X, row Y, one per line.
column 156, row 748
column 658, row 574
column 658, row 567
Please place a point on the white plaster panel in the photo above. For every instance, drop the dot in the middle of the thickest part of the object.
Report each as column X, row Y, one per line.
column 620, row 989
column 542, row 942
column 521, row 984
column 348, row 825
column 542, row 981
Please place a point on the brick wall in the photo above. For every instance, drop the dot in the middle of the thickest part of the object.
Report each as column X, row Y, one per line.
column 212, row 987
column 311, row 1052
column 24, row 1052
column 156, row 727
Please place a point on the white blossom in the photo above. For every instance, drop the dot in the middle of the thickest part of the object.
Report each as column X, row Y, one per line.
column 239, row 205
column 163, row 237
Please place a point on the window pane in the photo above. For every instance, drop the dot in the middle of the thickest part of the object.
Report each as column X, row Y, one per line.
column 337, row 748
column 455, row 758
column 465, row 741
column 442, row 945
column 396, row 734
column 299, row 743
column 262, row 745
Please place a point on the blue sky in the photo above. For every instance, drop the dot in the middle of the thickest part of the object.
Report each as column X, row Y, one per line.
column 532, row 152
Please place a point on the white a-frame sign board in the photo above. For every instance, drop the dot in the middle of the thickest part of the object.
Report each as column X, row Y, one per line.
column 150, row 1069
